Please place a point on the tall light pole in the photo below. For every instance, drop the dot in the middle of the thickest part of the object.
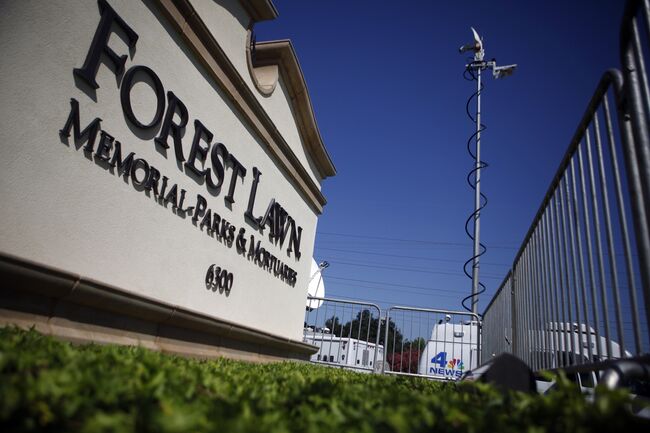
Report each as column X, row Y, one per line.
column 474, row 69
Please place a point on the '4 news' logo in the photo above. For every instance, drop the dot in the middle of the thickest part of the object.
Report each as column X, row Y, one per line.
column 452, row 368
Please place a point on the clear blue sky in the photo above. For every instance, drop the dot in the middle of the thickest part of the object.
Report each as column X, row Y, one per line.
column 386, row 84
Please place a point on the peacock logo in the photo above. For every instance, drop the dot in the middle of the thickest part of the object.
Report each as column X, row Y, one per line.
column 456, row 364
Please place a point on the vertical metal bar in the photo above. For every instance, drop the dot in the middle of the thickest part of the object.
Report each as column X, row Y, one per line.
column 610, row 236
column 349, row 337
column 316, row 318
column 570, row 206
column 504, row 313
column 359, row 326
column 508, row 304
column 368, row 333
column 479, row 339
column 492, row 326
column 462, row 341
column 368, row 330
column 557, row 250
column 351, row 322
column 394, row 340
column 401, row 353
column 599, row 249
column 525, row 309
column 496, row 323
column 420, row 351
column 640, row 63
column 316, row 327
column 567, row 285
column 411, row 346
column 499, row 331
column 513, row 310
column 545, row 287
column 524, row 348
column 553, row 324
column 624, row 229
column 378, row 333
column 534, row 347
column 498, row 326
column 590, row 257
column 386, row 327
column 541, row 296
column 636, row 149
column 521, row 334
column 514, row 304
column 535, row 304
column 555, row 276
column 539, row 335
column 525, row 302
column 490, row 320
column 453, row 341
column 487, row 317
column 444, row 333
column 559, row 288
column 583, row 279
column 426, row 343
column 543, row 335
column 329, row 351
column 338, row 352
column 548, row 337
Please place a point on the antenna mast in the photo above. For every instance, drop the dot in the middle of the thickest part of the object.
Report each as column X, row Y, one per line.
column 474, row 69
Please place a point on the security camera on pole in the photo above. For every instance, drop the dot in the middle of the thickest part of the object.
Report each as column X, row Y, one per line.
column 474, row 70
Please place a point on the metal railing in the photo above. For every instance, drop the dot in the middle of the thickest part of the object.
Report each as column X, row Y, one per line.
column 437, row 344
column 573, row 294
column 347, row 333
column 497, row 323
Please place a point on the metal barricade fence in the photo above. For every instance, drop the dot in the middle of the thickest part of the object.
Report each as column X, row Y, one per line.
column 345, row 332
column 496, row 330
column 580, row 283
column 437, row 344
column 575, row 281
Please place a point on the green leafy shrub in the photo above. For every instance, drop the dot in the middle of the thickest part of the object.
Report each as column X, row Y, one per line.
column 49, row 385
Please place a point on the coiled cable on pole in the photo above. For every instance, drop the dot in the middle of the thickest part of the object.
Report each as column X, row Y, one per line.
column 471, row 181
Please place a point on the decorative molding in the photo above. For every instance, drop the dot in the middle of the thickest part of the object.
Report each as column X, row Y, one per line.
column 260, row 10
column 265, row 78
column 78, row 308
column 196, row 35
column 282, row 54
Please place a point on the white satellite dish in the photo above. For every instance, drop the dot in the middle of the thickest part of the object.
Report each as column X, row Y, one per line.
column 316, row 287
column 477, row 39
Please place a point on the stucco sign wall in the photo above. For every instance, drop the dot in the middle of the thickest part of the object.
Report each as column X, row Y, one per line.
column 126, row 159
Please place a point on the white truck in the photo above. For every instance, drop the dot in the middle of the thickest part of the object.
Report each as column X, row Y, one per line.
column 451, row 350
column 561, row 344
column 344, row 351
column 453, row 347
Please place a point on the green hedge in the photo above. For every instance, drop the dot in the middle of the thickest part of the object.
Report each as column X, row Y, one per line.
column 48, row 385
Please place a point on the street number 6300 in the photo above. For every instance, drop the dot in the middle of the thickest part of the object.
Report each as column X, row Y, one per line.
column 218, row 279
